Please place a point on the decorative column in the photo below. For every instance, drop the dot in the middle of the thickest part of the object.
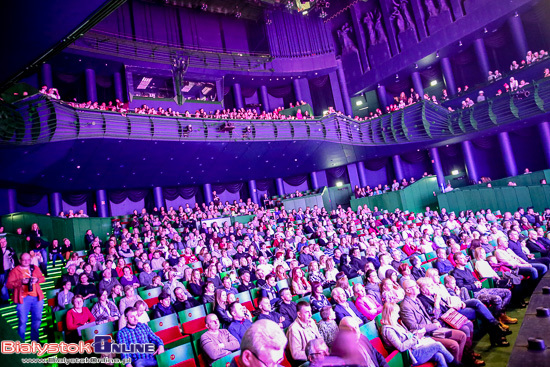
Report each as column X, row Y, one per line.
column 264, row 98
column 469, row 159
column 253, row 191
column 544, row 131
column 438, row 170
column 47, row 78
column 119, row 94
column 102, row 204
column 348, row 110
column 158, row 197
column 297, row 89
column 507, row 154
column 353, row 175
column 417, row 83
column 518, row 36
column 280, row 186
column 382, row 97
column 12, row 200
column 238, row 96
column 336, row 94
column 219, row 90
column 91, row 90
column 55, row 203
column 207, row 188
column 482, row 58
column 362, row 173
column 448, row 76
column 397, row 168
column 314, row 180
column 318, row 179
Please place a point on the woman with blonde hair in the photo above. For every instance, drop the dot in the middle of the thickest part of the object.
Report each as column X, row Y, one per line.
column 421, row 348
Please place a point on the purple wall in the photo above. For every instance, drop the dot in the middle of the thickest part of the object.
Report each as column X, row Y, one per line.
column 126, row 207
column 180, row 201
column 528, row 149
column 75, row 209
column 291, row 189
column 40, row 208
column 377, row 177
column 227, row 196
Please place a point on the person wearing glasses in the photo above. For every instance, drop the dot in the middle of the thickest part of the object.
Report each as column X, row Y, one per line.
column 316, row 352
column 263, row 345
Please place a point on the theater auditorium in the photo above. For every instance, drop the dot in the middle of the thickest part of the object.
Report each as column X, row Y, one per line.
column 265, row 183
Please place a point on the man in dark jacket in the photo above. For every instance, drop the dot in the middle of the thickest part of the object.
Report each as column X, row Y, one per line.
column 163, row 308
column 287, row 309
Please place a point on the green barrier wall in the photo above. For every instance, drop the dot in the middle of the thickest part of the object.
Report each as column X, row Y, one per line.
column 414, row 198
column 507, row 198
column 308, row 201
column 242, row 219
column 74, row 229
column 338, row 196
column 530, row 179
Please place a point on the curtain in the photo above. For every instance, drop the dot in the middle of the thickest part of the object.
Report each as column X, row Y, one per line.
column 415, row 156
column 29, row 199
column 118, row 197
column 337, row 172
column 484, row 143
column 320, row 81
column 497, row 39
column 296, row 180
column 230, row 187
column 376, row 164
column 248, row 92
column 280, row 92
column 75, row 199
column 399, row 85
column 175, row 192
column 450, row 151
column 104, row 81
column 263, row 185
column 68, row 78
column 464, row 58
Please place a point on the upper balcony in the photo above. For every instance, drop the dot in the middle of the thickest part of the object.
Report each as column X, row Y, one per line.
column 37, row 119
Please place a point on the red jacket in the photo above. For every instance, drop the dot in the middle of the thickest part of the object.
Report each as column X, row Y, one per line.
column 15, row 282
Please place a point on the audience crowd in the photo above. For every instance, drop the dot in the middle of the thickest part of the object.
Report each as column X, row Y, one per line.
column 311, row 278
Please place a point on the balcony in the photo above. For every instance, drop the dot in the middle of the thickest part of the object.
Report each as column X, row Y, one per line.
column 36, row 119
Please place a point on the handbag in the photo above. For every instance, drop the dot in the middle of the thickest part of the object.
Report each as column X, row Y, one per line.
column 454, row 318
column 513, row 276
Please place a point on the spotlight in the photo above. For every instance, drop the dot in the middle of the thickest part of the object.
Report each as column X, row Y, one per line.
column 238, row 14
column 437, row 54
column 433, row 83
column 454, row 172
column 204, row 6
column 358, row 103
column 416, row 66
column 396, row 76
column 323, row 14
column 339, row 184
column 516, row 14
column 485, row 30
column 289, row 5
column 460, row 43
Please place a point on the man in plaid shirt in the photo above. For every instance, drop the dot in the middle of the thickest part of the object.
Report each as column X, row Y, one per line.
column 138, row 333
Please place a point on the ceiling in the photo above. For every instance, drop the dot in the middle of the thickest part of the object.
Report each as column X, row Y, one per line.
column 79, row 165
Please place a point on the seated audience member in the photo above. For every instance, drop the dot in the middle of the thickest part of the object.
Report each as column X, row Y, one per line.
column 76, row 317
column 345, row 308
column 327, row 326
column 366, row 304
column 362, row 353
column 414, row 317
column 71, row 275
column 246, row 284
column 436, row 307
column 146, row 276
column 64, row 296
column 305, row 256
column 220, row 308
column 318, row 299
column 301, row 331
column 129, row 279
column 498, row 297
column 287, row 308
column 240, row 322
column 515, row 245
column 172, row 284
column 84, row 288
column 270, row 289
column 163, row 308
column 105, row 310
column 421, row 348
column 372, row 287
column 196, row 285
column 136, row 332
column 299, row 284
column 262, row 345
column 215, row 342
column 442, row 264
column 264, row 305
column 129, row 300
column 107, row 282
column 183, row 300
column 316, row 352
column 209, row 292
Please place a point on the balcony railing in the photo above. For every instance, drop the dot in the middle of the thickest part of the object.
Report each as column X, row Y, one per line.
column 37, row 119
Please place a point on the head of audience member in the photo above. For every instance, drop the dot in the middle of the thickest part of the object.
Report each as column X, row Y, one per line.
column 237, row 311
column 263, row 345
column 303, row 309
column 339, row 295
column 316, row 351
column 411, row 288
column 372, row 277
column 212, row 323
column 286, row 295
column 264, row 305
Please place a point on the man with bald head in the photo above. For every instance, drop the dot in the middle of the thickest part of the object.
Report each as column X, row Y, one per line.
column 217, row 343
column 25, row 281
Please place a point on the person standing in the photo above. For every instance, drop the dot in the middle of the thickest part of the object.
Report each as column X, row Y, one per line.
column 25, row 281
column 7, row 263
